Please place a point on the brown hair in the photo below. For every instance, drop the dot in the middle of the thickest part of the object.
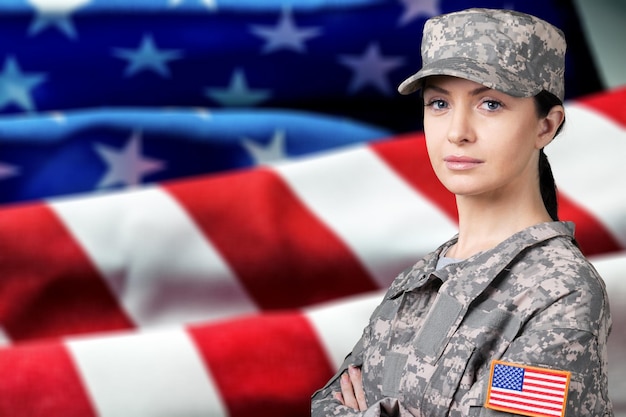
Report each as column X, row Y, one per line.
column 544, row 101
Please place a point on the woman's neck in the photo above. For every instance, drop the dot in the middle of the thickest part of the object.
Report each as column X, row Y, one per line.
column 484, row 224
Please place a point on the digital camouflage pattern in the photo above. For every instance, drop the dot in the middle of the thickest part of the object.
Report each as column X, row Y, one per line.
column 509, row 51
column 532, row 300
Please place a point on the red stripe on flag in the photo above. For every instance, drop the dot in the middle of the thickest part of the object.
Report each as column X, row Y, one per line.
column 40, row 380
column 609, row 103
column 49, row 288
column 407, row 155
column 592, row 235
column 264, row 365
column 282, row 253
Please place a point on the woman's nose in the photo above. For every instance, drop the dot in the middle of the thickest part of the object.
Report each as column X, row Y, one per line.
column 460, row 128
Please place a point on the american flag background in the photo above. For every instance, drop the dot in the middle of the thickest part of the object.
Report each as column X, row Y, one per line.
column 202, row 200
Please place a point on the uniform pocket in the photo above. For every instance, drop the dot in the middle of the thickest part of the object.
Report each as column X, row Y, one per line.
column 392, row 374
column 447, row 380
column 439, row 324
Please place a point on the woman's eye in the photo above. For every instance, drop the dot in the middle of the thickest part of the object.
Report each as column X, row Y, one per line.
column 437, row 104
column 492, row 105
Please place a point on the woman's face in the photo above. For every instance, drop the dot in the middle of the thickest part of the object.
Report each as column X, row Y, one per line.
column 481, row 142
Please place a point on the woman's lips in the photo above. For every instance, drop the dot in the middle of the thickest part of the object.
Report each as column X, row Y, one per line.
column 461, row 163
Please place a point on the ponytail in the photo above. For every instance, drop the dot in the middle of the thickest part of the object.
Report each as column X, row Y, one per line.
column 547, row 186
column 545, row 101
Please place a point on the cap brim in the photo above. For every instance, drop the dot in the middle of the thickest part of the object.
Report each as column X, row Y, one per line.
column 481, row 73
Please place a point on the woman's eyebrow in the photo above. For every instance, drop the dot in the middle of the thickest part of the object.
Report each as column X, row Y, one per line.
column 479, row 90
column 474, row 92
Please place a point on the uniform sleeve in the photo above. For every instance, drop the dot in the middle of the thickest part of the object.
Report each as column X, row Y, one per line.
column 323, row 404
column 554, row 339
column 569, row 350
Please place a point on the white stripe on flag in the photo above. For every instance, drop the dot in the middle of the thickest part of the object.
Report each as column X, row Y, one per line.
column 161, row 267
column 146, row 374
column 4, row 339
column 362, row 200
column 588, row 161
column 612, row 268
column 339, row 324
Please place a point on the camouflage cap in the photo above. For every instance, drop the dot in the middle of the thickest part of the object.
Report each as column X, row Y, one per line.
column 509, row 51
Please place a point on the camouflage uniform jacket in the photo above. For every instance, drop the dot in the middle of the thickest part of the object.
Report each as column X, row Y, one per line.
column 532, row 300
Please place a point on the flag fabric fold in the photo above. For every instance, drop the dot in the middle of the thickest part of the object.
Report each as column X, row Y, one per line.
column 95, row 150
column 202, row 201
column 234, row 285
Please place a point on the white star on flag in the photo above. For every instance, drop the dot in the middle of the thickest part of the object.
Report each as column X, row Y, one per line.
column 371, row 69
column 55, row 13
column 238, row 93
column 57, row 116
column 147, row 57
column 7, row 171
column 15, row 85
column 286, row 35
column 127, row 166
column 416, row 8
column 274, row 151
column 210, row 4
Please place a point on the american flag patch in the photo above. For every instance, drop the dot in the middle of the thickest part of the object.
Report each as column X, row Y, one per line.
column 527, row 390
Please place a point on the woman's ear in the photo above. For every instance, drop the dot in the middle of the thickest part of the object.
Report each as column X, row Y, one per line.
column 549, row 125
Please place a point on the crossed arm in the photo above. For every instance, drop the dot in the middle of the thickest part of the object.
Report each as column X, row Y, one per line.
column 352, row 393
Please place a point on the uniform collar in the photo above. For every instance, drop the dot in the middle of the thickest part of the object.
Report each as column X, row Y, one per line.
column 468, row 278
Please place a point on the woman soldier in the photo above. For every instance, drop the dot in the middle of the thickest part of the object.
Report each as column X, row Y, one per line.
column 507, row 317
